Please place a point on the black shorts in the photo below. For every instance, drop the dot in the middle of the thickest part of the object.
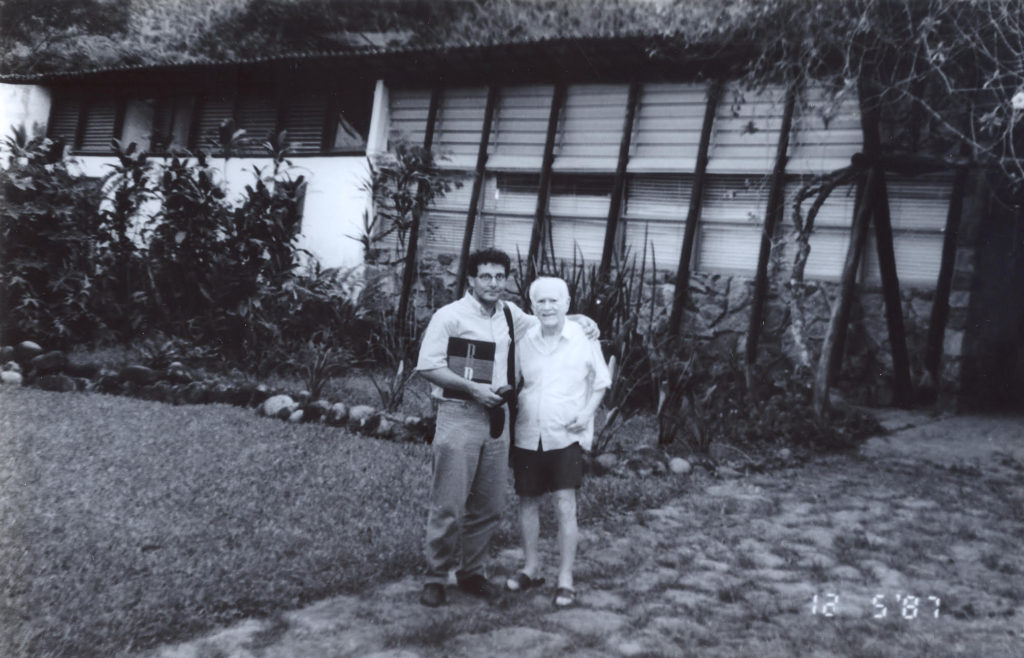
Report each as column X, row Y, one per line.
column 540, row 471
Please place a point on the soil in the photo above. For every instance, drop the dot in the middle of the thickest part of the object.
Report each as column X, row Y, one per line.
column 911, row 546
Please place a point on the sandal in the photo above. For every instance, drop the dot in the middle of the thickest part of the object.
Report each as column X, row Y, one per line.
column 521, row 581
column 565, row 597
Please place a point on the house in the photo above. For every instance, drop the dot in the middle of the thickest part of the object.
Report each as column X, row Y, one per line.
column 600, row 148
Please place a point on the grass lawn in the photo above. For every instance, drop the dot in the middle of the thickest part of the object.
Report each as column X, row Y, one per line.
column 125, row 523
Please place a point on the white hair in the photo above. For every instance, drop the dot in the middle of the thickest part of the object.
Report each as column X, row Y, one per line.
column 560, row 285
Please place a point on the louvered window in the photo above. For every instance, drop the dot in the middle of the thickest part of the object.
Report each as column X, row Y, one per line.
column 444, row 224
column 732, row 217
column 654, row 218
column 590, row 131
column 304, row 121
column 918, row 209
column 520, row 128
column 64, row 120
column 830, row 238
column 213, row 112
column 408, row 112
column 826, row 132
column 98, row 129
column 746, row 131
column 578, row 208
column 666, row 131
column 460, row 122
column 508, row 204
column 256, row 114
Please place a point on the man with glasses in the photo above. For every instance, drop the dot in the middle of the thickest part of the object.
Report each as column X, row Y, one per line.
column 464, row 355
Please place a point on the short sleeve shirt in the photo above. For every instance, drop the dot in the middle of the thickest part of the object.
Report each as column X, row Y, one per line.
column 467, row 318
column 557, row 381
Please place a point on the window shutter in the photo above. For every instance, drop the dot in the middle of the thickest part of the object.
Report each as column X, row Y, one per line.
column 579, row 214
column 667, row 127
column 508, row 204
column 655, row 218
column 746, row 131
column 831, row 236
column 732, row 217
column 257, row 115
column 591, row 128
column 305, row 120
column 212, row 113
column 918, row 209
column 100, row 116
column 520, row 128
column 826, row 132
column 408, row 111
column 64, row 120
column 459, row 127
column 444, row 224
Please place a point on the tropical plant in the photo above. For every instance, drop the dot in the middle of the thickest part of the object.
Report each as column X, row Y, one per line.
column 48, row 225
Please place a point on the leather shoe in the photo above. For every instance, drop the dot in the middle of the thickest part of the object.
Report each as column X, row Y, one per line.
column 479, row 586
column 433, row 595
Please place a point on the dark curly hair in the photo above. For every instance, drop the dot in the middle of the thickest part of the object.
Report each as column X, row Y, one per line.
column 484, row 256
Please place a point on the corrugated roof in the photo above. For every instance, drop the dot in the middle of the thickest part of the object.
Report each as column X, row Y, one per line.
column 638, row 43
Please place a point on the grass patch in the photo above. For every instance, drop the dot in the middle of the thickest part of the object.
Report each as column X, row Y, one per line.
column 126, row 523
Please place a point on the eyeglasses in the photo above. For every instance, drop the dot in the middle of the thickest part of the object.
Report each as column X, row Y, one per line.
column 488, row 278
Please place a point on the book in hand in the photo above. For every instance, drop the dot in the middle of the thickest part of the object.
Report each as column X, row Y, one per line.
column 471, row 359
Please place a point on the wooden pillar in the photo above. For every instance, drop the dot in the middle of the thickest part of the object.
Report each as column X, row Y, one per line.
column 879, row 199
column 535, row 255
column 693, row 214
column 409, row 270
column 478, row 179
column 940, row 304
column 776, row 196
column 841, row 311
column 902, row 388
column 615, row 206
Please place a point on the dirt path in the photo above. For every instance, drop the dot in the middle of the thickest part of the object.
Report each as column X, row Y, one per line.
column 911, row 548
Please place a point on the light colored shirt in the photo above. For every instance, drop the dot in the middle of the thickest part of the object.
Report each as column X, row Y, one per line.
column 557, row 382
column 467, row 318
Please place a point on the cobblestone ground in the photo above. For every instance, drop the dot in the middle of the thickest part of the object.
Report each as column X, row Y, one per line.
column 909, row 548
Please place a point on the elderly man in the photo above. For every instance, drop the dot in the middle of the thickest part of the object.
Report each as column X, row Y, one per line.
column 564, row 378
column 465, row 355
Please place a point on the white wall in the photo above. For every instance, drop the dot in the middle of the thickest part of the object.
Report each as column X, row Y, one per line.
column 23, row 105
column 334, row 202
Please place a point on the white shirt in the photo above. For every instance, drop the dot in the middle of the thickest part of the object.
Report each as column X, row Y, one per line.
column 467, row 318
column 557, row 381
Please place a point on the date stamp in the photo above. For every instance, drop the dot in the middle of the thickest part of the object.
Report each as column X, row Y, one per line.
column 881, row 606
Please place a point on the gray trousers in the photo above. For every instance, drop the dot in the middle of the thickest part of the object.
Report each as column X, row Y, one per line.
column 468, row 490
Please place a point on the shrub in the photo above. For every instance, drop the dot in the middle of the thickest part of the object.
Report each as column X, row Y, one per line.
column 48, row 229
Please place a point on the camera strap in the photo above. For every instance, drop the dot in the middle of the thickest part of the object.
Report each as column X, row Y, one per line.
column 511, row 373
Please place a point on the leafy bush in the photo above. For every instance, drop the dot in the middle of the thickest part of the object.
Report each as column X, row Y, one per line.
column 48, row 229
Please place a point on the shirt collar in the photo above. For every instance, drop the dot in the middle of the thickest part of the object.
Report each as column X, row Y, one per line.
column 568, row 329
column 477, row 307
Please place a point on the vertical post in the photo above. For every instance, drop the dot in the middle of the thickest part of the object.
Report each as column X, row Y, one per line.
column 841, row 311
column 693, row 214
column 535, row 255
column 940, row 304
column 478, row 179
column 774, row 210
column 902, row 393
column 409, row 270
column 902, row 388
column 615, row 206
